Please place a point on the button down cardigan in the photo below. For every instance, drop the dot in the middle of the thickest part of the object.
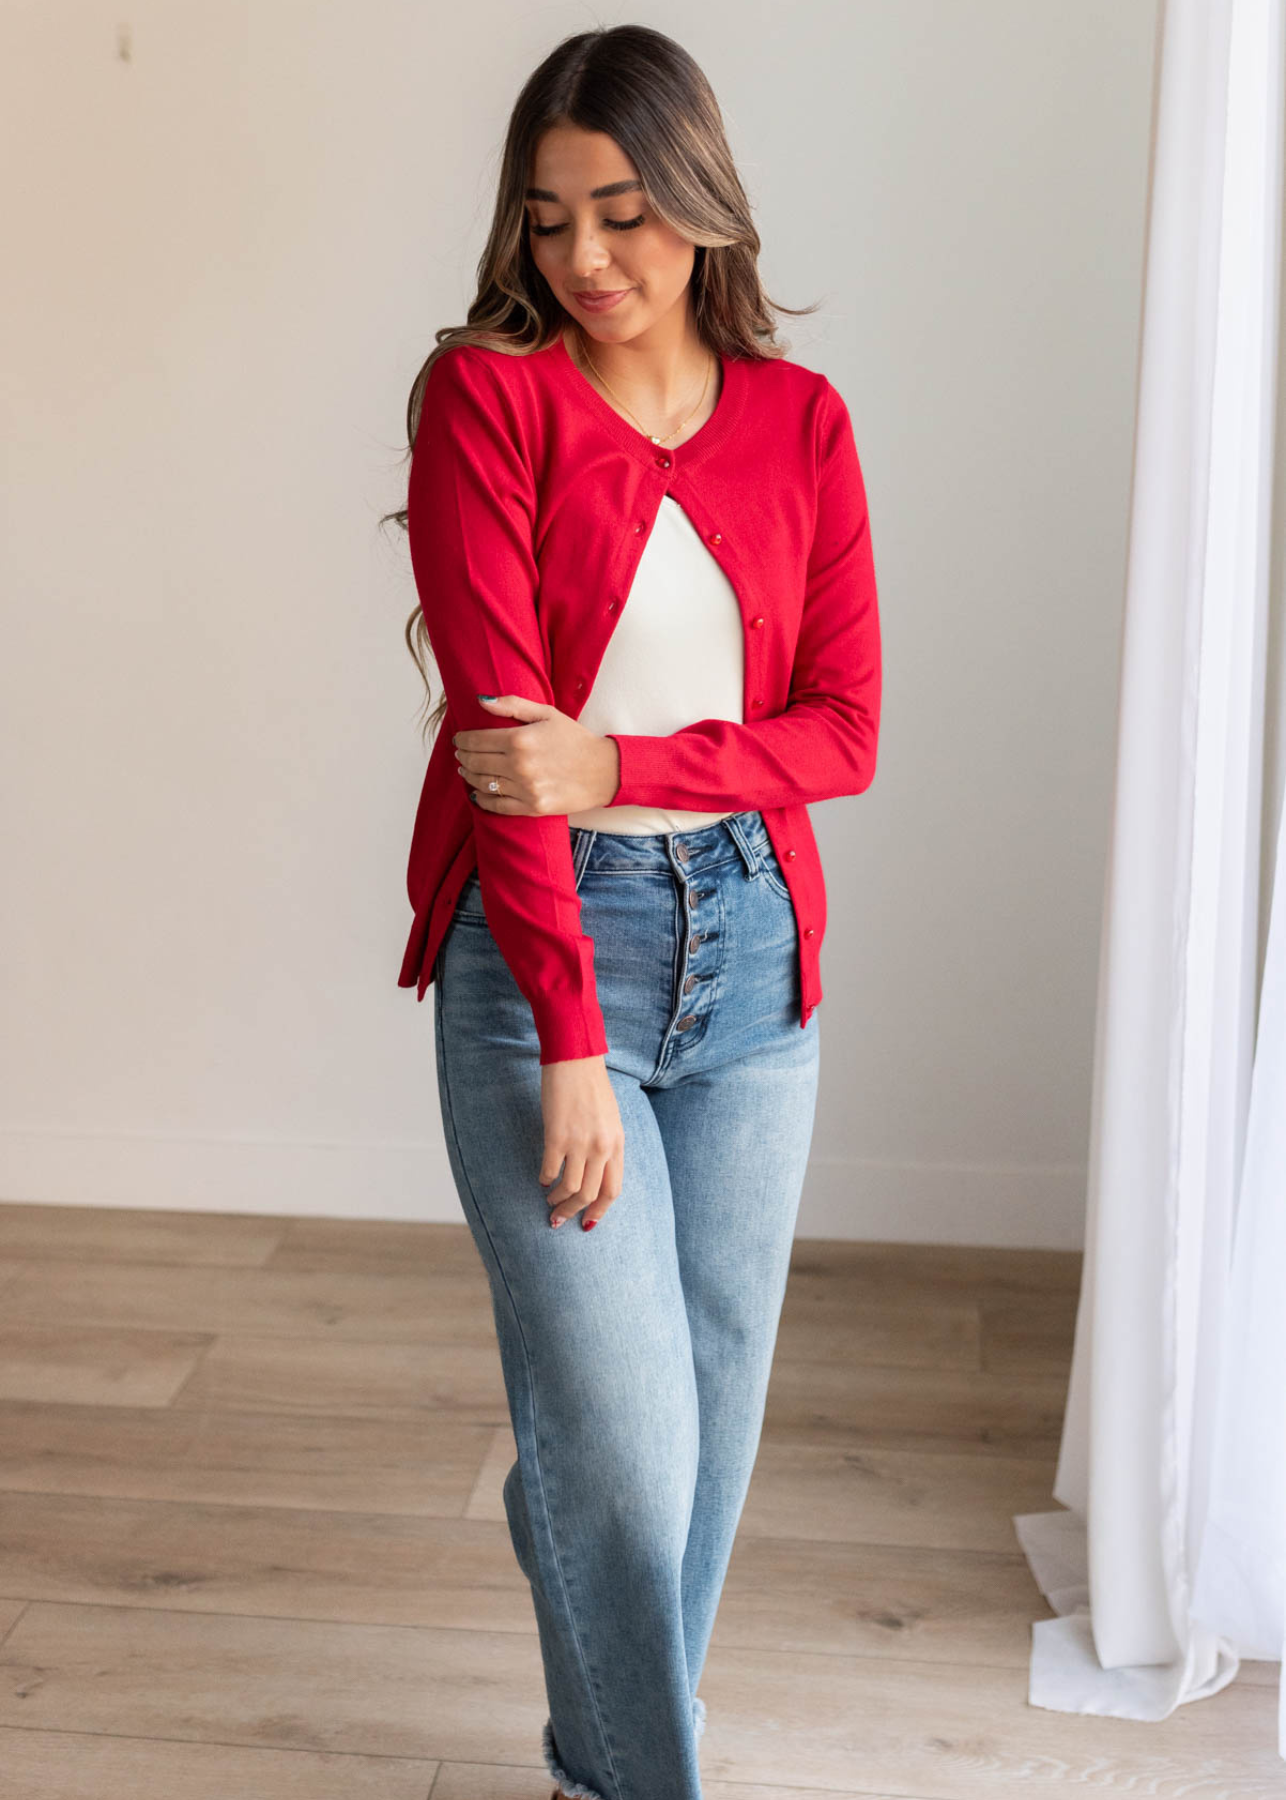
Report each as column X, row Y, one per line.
column 529, row 503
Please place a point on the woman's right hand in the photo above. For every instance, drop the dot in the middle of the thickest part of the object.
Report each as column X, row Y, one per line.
column 583, row 1136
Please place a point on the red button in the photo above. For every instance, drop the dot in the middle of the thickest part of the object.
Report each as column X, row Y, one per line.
column 756, row 702
column 716, row 538
column 756, row 623
column 808, row 931
column 663, row 462
column 579, row 686
column 613, row 605
column 790, row 855
column 639, row 527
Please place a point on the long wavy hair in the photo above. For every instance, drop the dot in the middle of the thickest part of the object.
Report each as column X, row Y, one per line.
column 644, row 90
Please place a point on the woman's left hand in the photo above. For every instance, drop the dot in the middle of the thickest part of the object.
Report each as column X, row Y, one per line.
column 547, row 764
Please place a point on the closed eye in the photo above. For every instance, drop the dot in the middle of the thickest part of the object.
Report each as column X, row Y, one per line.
column 612, row 225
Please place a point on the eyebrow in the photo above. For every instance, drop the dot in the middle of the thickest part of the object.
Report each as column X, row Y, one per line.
column 599, row 193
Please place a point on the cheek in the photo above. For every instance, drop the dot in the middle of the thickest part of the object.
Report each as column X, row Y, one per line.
column 671, row 264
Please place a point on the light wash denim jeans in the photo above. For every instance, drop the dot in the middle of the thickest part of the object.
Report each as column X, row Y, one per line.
column 636, row 1356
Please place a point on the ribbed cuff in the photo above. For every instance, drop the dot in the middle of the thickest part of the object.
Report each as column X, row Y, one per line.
column 633, row 769
column 676, row 770
column 565, row 1008
column 569, row 1031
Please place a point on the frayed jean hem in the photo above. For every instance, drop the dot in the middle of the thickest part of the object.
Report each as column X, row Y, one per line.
column 577, row 1790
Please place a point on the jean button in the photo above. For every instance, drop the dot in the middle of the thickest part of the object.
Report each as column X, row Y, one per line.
column 687, row 1022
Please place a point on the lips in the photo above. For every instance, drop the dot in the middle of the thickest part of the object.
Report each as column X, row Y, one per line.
column 593, row 302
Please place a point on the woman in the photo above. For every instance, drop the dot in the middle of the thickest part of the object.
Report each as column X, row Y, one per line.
column 616, row 888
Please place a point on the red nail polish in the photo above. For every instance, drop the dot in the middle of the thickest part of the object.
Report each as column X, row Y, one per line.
column 589, row 1224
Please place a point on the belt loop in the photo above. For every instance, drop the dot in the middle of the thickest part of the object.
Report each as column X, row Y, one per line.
column 582, row 843
column 737, row 832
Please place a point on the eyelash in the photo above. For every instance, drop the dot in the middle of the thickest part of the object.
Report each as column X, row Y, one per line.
column 612, row 225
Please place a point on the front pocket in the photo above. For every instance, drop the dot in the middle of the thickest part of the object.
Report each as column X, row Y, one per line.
column 770, row 869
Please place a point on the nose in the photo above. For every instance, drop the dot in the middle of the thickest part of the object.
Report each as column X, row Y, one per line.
column 589, row 253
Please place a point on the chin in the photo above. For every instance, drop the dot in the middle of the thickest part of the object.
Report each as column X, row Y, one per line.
column 606, row 329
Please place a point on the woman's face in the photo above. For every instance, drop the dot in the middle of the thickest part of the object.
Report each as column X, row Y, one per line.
column 584, row 239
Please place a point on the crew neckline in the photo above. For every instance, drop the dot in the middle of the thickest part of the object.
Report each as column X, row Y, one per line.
column 702, row 441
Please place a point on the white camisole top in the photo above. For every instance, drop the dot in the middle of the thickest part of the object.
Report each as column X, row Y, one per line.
column 677, row 655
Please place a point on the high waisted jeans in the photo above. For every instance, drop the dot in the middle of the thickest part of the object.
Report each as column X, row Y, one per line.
column 636, row 1357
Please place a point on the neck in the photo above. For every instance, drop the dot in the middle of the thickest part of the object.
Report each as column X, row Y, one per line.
column 656, row 375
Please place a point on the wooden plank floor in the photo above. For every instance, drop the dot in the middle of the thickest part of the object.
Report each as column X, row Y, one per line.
column 253, row 1546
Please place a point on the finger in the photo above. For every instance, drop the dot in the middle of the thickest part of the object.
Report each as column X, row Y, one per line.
column 482, row 772
column 595, row 1195
column 609, row 1190
column 478, row 770
column 551, row 1165
column 480, row 756
column 497, row 738
column 501, row 803
column 562, row 1165
column 516, row 707
column 569, row 1196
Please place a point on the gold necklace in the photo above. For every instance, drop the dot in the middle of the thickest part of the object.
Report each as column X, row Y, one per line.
column 650, row 436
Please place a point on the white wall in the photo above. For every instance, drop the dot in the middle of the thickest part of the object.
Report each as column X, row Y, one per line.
column 227, row 248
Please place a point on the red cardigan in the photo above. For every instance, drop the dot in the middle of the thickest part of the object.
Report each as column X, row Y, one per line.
column 530, row 500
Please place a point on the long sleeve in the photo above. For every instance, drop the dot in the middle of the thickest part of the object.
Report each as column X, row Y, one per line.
column 823, row 744
column 470, row 522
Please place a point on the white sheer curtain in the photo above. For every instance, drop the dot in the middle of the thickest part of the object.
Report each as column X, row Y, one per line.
column 1170, row 1565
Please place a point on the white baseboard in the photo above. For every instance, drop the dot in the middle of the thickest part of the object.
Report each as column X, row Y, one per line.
column 996, row 1206
column 887, row 1202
